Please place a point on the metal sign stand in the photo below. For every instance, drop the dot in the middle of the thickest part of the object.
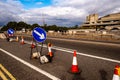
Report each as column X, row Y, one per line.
column 42, row 47
column 36, row 47
column 39, row 35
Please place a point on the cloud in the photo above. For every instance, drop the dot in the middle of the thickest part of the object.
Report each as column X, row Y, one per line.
column 99, row 6
column 54, row 15
column 61, row 12
column 9, row 11
column 72, row 12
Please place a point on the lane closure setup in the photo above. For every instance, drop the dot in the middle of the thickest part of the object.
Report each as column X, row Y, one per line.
column 39, row 36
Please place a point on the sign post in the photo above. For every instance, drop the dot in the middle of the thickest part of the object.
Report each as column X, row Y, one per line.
column 39, row 35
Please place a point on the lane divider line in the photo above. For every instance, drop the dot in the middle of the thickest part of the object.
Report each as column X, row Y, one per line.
column 7, row 72
column 71, row 51
column 92, row 56
column 31, row 66
column 90, row 42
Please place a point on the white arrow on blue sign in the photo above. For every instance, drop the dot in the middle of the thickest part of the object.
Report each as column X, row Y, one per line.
column 10, row 31
column 39, row 34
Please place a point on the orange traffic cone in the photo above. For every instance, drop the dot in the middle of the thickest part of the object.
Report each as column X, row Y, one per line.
column 116, row 75
column 17, row 38
column 22, row 41
column 49, row 50
column 74, row 68
column 33, row 45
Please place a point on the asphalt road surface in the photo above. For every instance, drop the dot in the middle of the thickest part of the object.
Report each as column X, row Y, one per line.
column 96, row 60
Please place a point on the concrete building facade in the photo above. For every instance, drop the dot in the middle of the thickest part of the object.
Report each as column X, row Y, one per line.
column 91, row 19
column 110, row 20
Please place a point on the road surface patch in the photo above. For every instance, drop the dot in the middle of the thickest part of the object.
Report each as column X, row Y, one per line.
column 31, row 66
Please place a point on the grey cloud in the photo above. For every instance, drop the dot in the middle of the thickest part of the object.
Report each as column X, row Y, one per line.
column 101, row 7
column 62, row 12
column 9, row 11
column 104, row 7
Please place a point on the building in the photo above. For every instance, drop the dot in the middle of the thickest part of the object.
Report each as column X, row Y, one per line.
column 109, row 21
column 79, row 31
column 91, row 19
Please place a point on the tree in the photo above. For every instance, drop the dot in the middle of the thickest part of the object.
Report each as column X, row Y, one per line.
column 4, row 28
column 12, row 25
column 35, row 25
column 21, row 25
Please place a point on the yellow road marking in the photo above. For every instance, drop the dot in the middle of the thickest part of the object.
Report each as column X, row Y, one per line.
column 8, row 73
column 2, row 76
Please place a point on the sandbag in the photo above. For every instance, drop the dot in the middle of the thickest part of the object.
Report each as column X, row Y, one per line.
column 45, row 59
column 36, row 55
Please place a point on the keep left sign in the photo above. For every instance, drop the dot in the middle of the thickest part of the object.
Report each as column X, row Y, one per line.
column 39, row 34
column 10, row 31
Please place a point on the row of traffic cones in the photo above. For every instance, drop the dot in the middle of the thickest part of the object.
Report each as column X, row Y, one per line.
column 74, row 68
column 22, row 39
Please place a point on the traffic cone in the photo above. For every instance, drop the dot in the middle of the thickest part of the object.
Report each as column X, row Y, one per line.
column 33, row 45
column 17, row 38
column 116, row 75
column 74, row 68
column 22, row 41
column 49, row 50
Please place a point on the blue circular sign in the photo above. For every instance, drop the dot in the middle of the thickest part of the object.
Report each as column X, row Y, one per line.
column 10, row 31
column 39, row 34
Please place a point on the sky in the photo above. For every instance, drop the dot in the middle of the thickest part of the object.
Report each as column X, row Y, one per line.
column 59, row 12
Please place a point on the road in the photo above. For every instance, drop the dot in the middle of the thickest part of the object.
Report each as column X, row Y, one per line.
column 109, row 50
column 96, row 60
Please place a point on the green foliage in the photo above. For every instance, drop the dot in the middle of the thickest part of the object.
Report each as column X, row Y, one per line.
column 34, row 25
column 12, row 25
column 20, row 25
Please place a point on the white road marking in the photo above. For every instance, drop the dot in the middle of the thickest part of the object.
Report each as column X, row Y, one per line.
column 31, row 66
column 90, row 42
column 71, row 51
column 92, row 56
